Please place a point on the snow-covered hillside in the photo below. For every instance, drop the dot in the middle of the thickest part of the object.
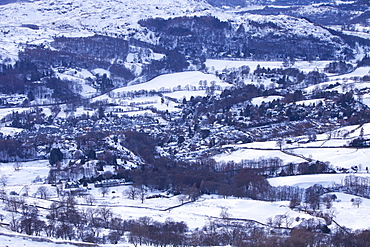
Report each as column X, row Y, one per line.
column 36, row 22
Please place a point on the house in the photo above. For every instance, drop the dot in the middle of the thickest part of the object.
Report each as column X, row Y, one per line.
column 110, row 183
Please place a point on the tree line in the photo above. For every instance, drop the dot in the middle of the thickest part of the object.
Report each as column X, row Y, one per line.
column 66, row 220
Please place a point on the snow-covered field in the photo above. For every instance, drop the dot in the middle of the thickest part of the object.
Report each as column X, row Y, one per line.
column 206, row 209
column 339, row 157
column 330, row 147
column 346, row 82
column 336, row 156
column 255, row 154
column 9, row 131
column 305, row 181
column 214, row 65
column 176, row 86
column 80, row 80
column 175, row 81
column 6, row 111
column 349, row 215
column 27, row 173
column 259, row 100
column 219, row 65
column 18, row 240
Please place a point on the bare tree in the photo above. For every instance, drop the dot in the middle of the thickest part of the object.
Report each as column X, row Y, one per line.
column 356, row 201
column 362, row 133
column 328, row 201
column 143, row 192
column 43, row 192
column 132, row 193
column 312, row 196
column 14, row 222
column 224, row 214
column 288, row 221
column 280, row 143
column 106, row 214
column 59, row 189
column 17, row 166
column 182, row 198
column 135, row 236
column 294, row 202
column 278, row 220
column 332, row 213
column 55, row 110
column 104, row 190
column 25, row 190
column 30, row 223
column 4, row 180
column 69, row 201
column 39, row 225
column 193, row 193
column 90, row 199
column 269, row 221
column 114, row 237
column 14, row 203
column 3, row 195
column 139, row 230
